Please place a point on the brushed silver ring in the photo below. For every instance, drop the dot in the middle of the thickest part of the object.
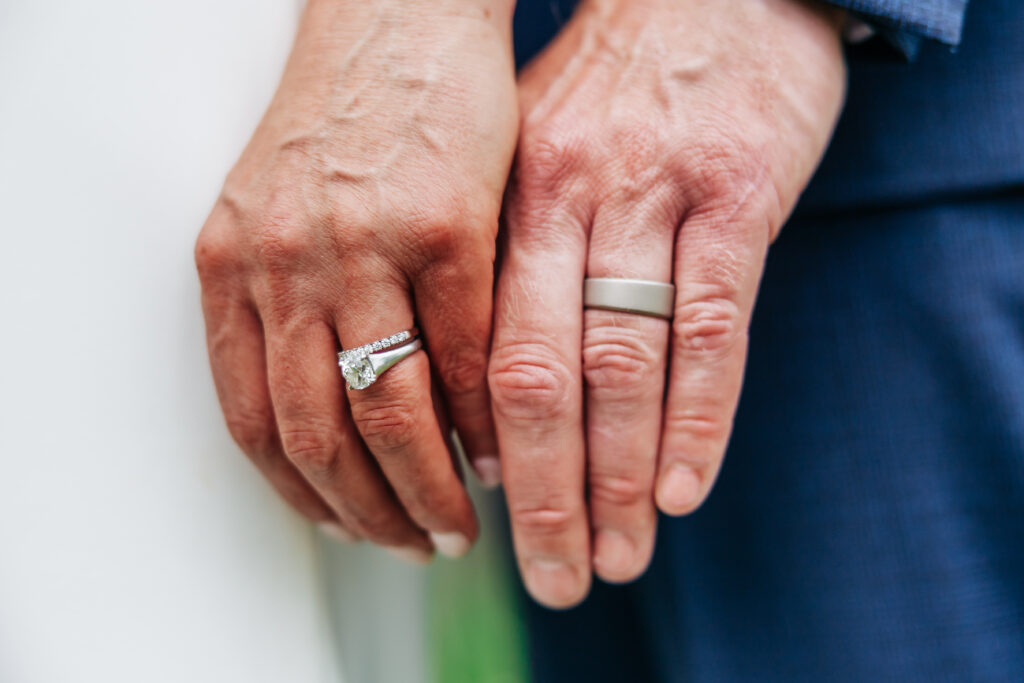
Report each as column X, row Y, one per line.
column 642, row 297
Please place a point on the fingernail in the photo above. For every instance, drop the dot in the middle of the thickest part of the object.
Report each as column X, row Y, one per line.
column 450, row 543
column 552, row 583
column 411, row 554
column 614, row 554
column 679, row 489
column 488, row 471
column 338, row 533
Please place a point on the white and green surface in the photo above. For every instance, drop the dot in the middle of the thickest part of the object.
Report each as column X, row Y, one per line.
column 456, row 621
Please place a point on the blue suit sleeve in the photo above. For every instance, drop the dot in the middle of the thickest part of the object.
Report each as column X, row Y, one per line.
column 906, row 23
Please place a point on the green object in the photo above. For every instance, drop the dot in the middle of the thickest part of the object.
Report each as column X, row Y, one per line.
column 474, row 622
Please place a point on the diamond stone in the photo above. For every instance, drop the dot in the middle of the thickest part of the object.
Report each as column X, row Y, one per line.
column 357, row 370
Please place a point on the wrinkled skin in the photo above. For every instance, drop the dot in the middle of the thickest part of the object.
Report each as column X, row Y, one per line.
column 367, row 199
column 661, row 140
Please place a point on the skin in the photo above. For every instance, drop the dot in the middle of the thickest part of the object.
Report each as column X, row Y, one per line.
column 367, row 199
column 661, row 140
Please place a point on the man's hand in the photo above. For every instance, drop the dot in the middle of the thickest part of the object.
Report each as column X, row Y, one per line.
column 368, row 197
column 661, row 140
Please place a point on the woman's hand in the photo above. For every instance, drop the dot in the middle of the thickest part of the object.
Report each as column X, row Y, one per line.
column 368, row 199
column 661, row 140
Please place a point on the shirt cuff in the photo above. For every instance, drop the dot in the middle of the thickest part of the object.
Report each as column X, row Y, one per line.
column 906, row 23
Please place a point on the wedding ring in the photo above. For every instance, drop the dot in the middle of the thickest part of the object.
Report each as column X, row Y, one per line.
column 642, row 297
column 362, row 365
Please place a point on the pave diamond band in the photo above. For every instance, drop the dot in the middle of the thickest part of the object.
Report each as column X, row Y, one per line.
column 362, row 365
column 381, row 344
column 642, row 297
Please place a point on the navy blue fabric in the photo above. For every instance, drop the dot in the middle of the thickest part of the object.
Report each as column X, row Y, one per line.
column 535, row 22
column 938, row 19
column 906, row 22
column 949, row 124
column 868, row 523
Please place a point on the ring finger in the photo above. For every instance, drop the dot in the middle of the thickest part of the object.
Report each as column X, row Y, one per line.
column 396, row 418
column 319, row 438
column 624, row 363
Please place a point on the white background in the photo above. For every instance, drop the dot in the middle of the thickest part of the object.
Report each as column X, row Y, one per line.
column 136, row 544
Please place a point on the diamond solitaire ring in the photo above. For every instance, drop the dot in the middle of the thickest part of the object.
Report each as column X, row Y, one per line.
column 362, row 366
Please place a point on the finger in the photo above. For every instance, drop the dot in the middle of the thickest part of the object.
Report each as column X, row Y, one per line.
column 624, row 359
column 234, row 339
column 719, row 259
column 453, row 301
column 339, row 532
column 537, row 400
column 319, row 438
column 396, row 419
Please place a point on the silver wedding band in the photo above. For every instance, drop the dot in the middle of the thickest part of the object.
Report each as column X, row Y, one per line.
column 362, row 366
column 642, row 297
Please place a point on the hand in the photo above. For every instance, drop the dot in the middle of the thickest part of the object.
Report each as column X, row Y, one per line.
column 661, row 140
column 367, row 199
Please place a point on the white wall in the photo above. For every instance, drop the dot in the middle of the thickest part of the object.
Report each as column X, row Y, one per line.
column 136, row 544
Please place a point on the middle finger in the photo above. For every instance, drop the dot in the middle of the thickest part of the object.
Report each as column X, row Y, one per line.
column 624, row 361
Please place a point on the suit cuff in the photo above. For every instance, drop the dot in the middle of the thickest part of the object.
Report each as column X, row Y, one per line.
column 905, row 23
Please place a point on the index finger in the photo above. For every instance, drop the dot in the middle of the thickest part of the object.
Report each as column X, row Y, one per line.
column 537, row 398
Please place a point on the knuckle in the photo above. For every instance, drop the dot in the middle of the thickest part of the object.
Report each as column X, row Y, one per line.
column 449, row 228
column 619, row 490
column 726, row 163
column 704, row 427
column 724, row 175
column 253, row 431
column 312, row 450
column 708, row 326
column 213, row 254
column 548, row 157
column 544, row 522
column 546, row 204
column 350, row 228
column 463, row 370
column 282, row 245
column 435, row 237
column 216, row 251
column 618, row 363
column 387, row 425
column 529, row 381
column 642, row 152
